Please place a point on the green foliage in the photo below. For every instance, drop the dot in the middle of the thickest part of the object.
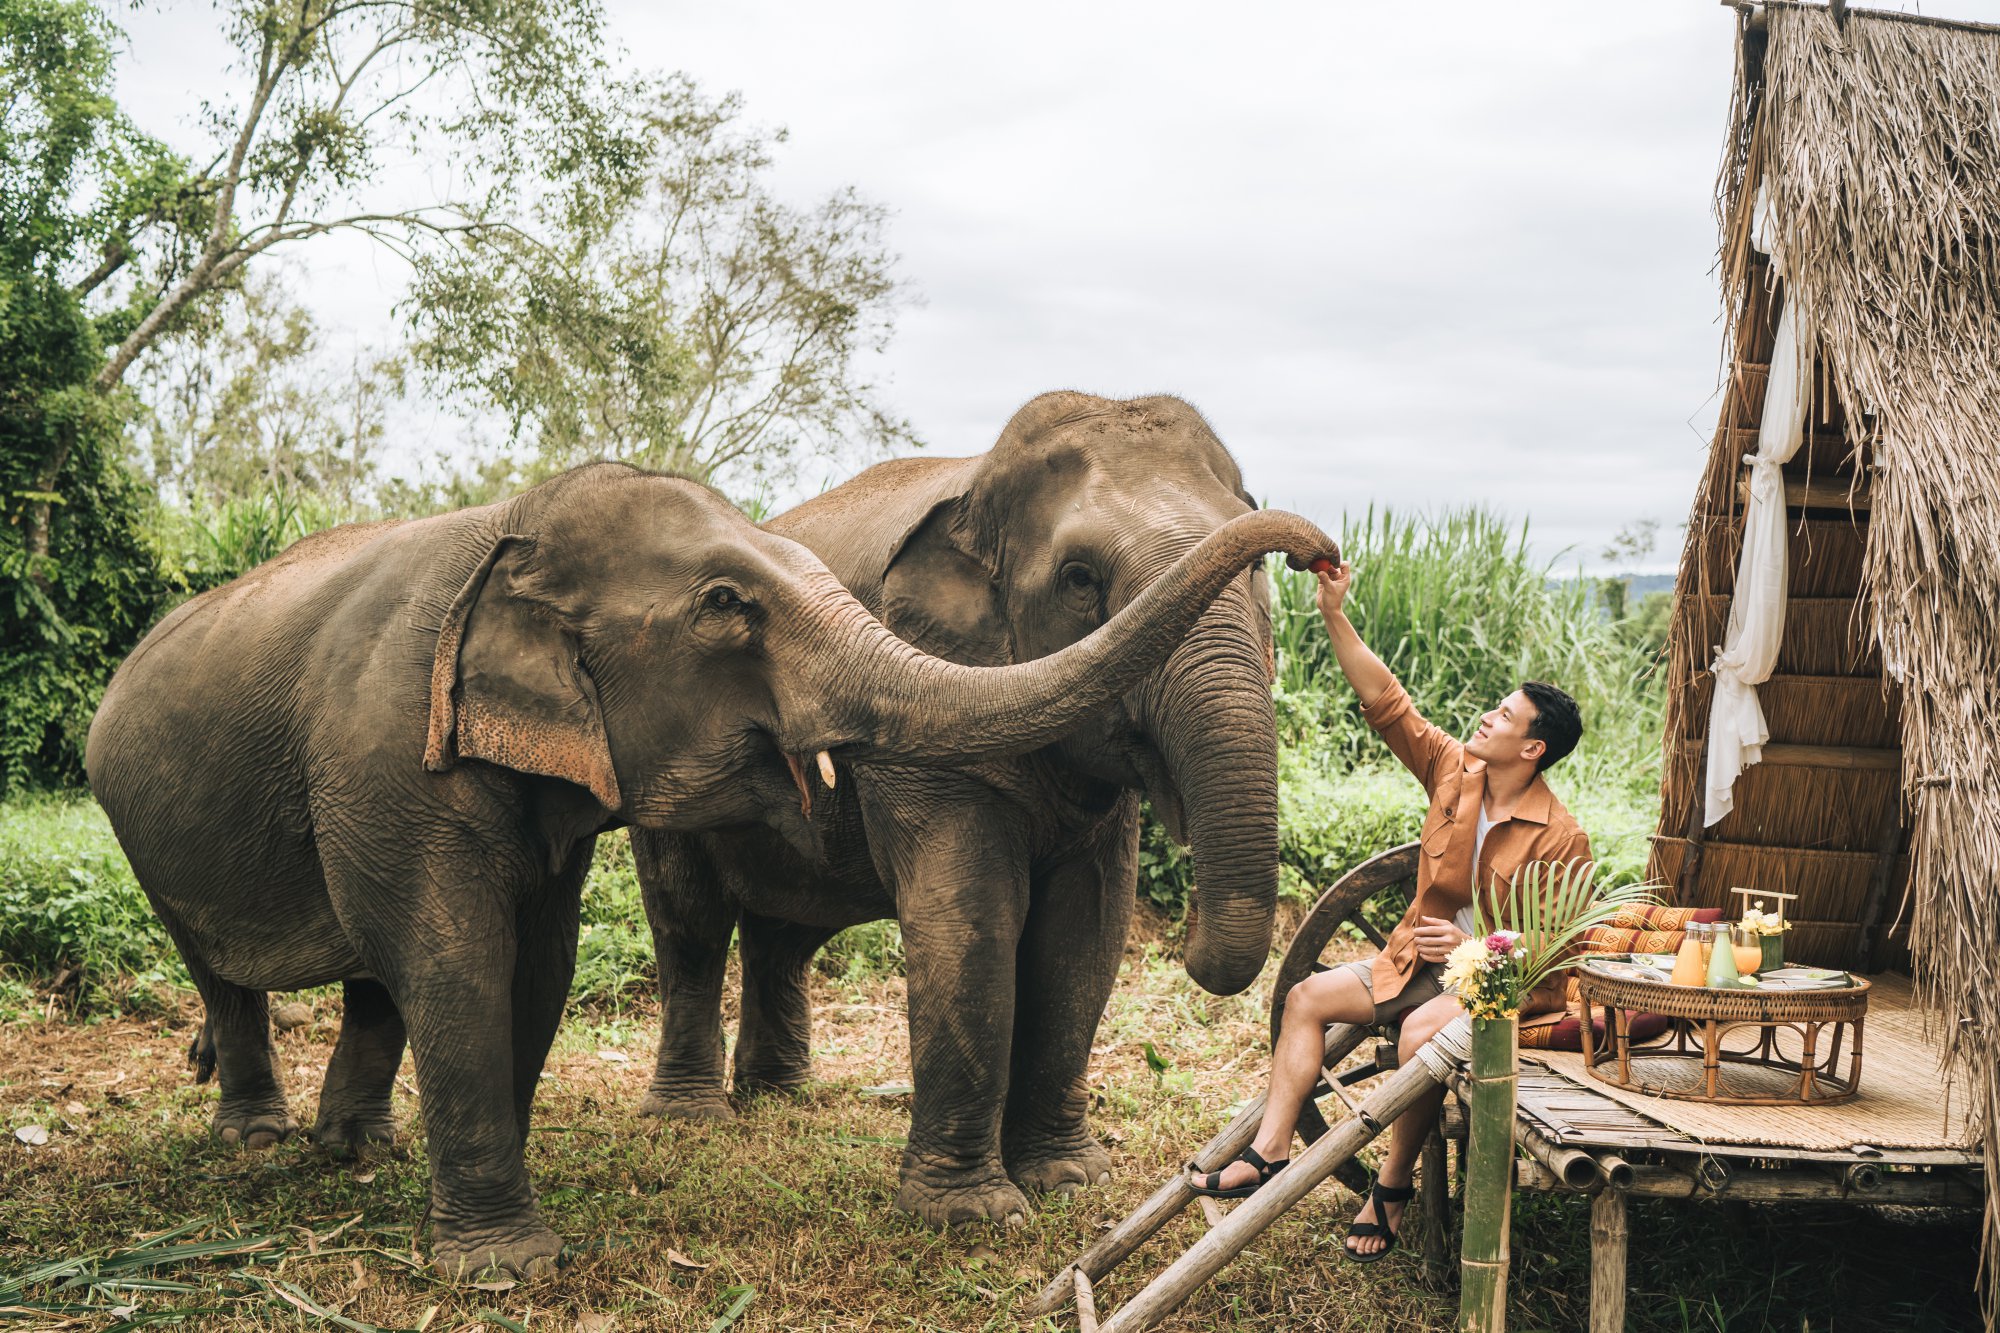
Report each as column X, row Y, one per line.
column 615, row 946
column 68, row 899
column 864, row 952
column 79, row 579
column 695, row 324
column 70, row 614
column 243, row 401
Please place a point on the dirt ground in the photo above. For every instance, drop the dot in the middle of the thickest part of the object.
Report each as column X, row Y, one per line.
column 782, row 1219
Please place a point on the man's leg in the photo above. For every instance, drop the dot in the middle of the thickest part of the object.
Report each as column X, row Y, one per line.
column 1407, row 1135
column 1335, row 996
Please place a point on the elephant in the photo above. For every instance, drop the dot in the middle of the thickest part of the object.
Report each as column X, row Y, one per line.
column 1013, row 878
column 383, row 757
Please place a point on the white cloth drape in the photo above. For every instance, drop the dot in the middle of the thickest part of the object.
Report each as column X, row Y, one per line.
column 1736, row 729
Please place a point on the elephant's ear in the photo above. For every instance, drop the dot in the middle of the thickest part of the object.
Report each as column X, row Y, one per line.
column 938, row 594
column 507, row 686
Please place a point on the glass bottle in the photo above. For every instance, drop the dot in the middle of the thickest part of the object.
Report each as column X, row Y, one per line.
column 1722, row 959
column 1690, row 968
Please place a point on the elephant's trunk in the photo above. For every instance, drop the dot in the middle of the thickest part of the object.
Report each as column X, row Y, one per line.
column 1210, row 717
column 877, row 695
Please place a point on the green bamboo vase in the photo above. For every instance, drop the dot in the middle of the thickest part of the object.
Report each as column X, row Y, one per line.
column 1489, row 1176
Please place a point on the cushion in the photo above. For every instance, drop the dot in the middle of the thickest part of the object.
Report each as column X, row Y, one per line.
column 1642, row 929
column 1567, row 1033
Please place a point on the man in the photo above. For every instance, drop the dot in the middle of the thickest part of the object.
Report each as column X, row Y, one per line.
column 1490, row 814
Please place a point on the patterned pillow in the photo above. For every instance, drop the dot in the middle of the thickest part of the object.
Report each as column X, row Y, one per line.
column 1567, row 1035
column 1644, row 929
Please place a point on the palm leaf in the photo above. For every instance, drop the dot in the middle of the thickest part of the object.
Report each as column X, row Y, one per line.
column 1551, row 904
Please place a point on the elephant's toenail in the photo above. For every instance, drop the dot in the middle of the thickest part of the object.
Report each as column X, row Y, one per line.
column 1104, row 1177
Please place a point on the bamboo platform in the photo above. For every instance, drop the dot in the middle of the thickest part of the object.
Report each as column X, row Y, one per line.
column 1574, row 1139
column 1579, row 1140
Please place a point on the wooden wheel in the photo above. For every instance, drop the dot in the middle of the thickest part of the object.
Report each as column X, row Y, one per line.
column 1393, row 870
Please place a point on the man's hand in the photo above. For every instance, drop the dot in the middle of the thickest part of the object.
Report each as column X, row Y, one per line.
column 1333, row 591
column 1436, row 939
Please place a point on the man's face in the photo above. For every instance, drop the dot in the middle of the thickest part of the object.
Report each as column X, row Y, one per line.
column 1502, row 734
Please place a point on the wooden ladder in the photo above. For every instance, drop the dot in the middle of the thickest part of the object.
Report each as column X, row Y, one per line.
column 1229, row 1234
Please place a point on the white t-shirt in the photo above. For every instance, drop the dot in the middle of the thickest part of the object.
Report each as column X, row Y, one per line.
column 1463, row 920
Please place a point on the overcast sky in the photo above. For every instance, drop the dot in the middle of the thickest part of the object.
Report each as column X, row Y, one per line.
column 1413, row 256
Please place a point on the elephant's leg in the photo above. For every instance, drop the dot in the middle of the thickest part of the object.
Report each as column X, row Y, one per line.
column 544, row 964
column 236, row 1039
column 361, row 1077
column 692, row 921
column 441, row 937
column 774, row 1034
column 958, row 866
column 1078, row 916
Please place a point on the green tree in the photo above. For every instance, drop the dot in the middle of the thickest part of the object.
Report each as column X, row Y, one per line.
column 516, row 94
column 700, row 325
column 245, row 402
column 78, row 589
column 109, row 244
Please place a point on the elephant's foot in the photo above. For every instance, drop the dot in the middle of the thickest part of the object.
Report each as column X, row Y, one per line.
column 259, row 1126
column 345, row 1132
column 465, row 1255
column 1060, row 1167
column 770, row 1082
column 686, row 1104
column 958, row 1198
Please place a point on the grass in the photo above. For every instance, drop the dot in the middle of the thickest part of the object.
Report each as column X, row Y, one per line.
column 782, row 1219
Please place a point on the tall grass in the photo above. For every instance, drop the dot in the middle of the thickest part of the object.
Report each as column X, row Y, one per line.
column 1462, row 611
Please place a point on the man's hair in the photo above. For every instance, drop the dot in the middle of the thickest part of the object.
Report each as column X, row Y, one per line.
column 1557, row 725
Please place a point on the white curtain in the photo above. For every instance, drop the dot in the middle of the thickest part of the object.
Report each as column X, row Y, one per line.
column 1736, row 729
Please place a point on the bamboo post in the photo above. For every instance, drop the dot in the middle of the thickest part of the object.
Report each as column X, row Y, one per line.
column 1435, row 1199
column 1608, row 1237
column 1489, row 1176
column 1207, row 1256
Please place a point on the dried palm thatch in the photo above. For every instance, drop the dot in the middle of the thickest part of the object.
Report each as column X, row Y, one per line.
column 1877, row 144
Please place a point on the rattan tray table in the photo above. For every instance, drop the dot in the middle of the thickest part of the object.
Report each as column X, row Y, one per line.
column 1766, row 1074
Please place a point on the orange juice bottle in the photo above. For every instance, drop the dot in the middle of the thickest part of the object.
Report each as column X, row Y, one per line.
column 1690, row 967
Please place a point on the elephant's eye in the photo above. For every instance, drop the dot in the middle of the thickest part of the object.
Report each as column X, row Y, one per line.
column 1078, row 578
column 723, row 599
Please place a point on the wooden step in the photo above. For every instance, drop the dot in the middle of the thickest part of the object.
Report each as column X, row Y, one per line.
column 1844, row 758
column 1813, row 493
column 1849, row 757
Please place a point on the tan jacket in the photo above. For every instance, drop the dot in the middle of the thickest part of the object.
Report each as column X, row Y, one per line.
column 1540, row 830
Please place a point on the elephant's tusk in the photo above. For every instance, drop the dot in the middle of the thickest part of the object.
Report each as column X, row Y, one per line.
column 799, row 780
column 825, row 768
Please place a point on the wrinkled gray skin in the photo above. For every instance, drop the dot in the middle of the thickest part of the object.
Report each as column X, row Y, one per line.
column 383, row 758
column 1013, row 879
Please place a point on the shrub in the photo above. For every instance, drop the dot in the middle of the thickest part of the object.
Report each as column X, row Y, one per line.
column 68, row 898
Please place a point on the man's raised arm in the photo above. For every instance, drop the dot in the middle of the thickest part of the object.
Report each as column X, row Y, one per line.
column 1365, row 672
column 1424, row 750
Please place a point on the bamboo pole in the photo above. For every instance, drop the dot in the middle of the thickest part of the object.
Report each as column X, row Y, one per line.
column 1207, row 1256
column 1166, row 1202
column 1086, row 1303
column 1573, row 1166
column 1609, row 1234
column 1489, row 1181
column 1434, row 1198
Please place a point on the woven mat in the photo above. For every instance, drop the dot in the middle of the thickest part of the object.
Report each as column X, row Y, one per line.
column 1904, row 1101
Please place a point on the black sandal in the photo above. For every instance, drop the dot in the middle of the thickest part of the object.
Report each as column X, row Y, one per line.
column 1210, row 1183
column 1378, row 1195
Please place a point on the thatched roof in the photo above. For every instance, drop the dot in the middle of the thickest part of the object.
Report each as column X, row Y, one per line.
column 1876, row 144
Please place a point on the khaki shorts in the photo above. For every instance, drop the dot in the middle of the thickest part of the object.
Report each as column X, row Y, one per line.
column 1421, row 987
